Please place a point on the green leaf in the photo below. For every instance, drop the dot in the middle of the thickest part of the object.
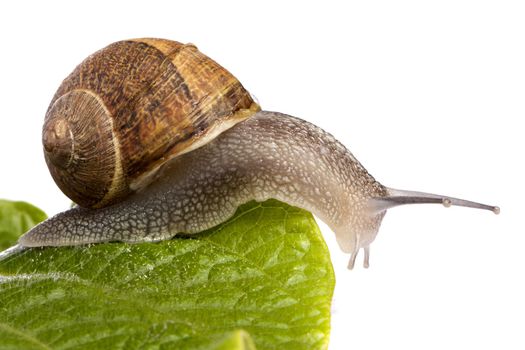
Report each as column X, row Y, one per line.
column 15, row 219
column 238, row 340
column 266, row 271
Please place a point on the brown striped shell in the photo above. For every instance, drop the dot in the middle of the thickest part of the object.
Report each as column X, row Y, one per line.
column 129, row 108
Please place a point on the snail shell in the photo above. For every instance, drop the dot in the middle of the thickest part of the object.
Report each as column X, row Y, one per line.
column 129, row 108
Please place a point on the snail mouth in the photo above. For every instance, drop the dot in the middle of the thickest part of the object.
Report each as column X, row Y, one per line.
column 58, row 142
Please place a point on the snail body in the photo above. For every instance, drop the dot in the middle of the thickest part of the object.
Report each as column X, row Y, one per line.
column 237, row 156
column 270, row 155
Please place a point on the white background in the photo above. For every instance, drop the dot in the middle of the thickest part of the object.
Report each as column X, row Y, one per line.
column 429, row 95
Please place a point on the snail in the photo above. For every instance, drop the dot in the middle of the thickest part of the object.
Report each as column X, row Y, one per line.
column 150, row 137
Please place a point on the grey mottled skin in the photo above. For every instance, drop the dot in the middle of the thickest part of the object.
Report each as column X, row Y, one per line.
column 270, row 155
